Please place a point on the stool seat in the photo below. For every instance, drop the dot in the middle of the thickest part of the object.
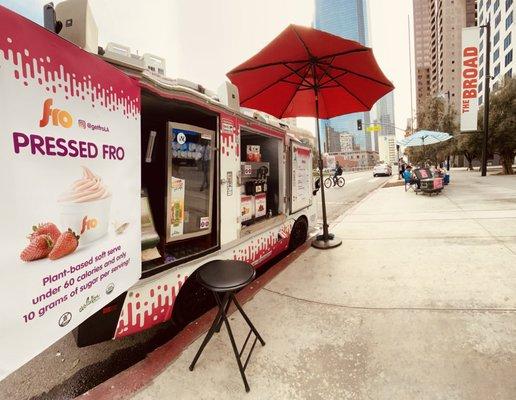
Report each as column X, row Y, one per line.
column 223, row 278
column 225, row 275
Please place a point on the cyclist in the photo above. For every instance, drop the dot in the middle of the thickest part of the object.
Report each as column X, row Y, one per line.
column 338, row 172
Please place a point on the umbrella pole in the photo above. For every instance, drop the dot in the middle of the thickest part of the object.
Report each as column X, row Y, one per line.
column 326, row 240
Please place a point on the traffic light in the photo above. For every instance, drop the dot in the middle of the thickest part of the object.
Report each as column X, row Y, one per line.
column 359, row 124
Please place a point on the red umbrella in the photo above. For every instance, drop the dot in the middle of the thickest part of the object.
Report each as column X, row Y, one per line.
column 305, row 72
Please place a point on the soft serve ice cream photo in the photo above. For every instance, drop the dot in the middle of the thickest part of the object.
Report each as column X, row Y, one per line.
column 84, row 218
column 85, row 207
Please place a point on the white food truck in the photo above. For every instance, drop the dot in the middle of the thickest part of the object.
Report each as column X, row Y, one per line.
column 172, row 177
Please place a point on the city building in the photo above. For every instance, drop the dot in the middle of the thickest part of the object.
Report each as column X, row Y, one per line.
column 355, row 158
column 437, row 43
column 423, row 60
column 385, row 114
column 332, row 137
column 387, row 149
column 346, row 142
column 348, row 19
column 386, row 120
column 501, row 15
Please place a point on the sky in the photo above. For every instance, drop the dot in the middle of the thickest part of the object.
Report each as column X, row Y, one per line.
column 203, row 39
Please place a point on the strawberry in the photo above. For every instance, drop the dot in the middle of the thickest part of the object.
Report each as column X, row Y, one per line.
column 65, row 244
column 47, row 228
column 39, row 247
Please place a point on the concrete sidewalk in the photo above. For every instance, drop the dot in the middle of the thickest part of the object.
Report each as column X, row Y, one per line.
column 418, row 303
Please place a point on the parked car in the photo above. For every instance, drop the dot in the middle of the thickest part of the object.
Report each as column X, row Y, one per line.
column 382, row 170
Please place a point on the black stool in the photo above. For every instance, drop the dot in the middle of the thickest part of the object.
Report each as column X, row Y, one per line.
column 223, row 278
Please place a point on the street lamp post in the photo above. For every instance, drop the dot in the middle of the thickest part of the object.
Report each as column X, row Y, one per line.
column 487, row 77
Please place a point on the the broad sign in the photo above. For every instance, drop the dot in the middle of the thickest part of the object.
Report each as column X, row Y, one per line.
column 469, row 84
column 70, row 173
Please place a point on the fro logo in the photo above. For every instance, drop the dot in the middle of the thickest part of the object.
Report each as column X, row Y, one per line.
column 88, row 224
column 58, row 117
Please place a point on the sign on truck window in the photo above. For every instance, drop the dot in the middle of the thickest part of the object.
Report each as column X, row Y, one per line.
column 301, row 177
column 70, row 173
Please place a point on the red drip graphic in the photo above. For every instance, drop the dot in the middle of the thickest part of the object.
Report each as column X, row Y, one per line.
column 229, row 137
column 263, row 248
column 37, row 57
column 157, row 308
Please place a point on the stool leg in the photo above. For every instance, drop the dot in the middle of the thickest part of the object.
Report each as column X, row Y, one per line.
column 235, row 350
column 247, row 319
column 211, row 330
column 226, row 308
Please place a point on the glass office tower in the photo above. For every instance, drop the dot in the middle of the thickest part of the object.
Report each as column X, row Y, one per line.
column 348, row 19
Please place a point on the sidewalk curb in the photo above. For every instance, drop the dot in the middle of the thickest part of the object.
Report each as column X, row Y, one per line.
column 140, row 375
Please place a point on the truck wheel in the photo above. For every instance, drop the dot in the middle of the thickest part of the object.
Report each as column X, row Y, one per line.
column 298, row 234
column 192, row 301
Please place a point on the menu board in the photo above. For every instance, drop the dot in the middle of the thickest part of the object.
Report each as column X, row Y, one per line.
column 301, row 177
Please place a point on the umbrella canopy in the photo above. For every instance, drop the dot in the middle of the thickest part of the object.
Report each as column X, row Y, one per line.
column 422, row 138
column 282, row 78
column 305, row 72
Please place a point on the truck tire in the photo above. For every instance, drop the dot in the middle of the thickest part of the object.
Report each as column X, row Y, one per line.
column 298, row 234
column 192, row 301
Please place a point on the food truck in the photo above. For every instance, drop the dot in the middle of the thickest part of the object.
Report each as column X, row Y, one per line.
column 173, row 176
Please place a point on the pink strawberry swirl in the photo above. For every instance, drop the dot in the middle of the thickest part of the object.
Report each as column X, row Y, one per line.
column 88, row 188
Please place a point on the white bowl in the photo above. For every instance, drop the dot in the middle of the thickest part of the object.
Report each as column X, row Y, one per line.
column 89, row 220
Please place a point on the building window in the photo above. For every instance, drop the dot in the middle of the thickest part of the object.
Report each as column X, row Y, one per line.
column 508, row 3
column 496, row 54
column 480, row 87
column 497, row 70
column 481, row 60
column 508, row 21
column 498, row 18
column 508, row 74
column 507, row 41
column 496, row 5
column 496, row 38
column 481, row 45
column 481, row 73
column 508, row 58
column 480, row 100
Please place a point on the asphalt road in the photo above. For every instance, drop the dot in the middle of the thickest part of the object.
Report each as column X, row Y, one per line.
column 64, row 371
column 338, row 200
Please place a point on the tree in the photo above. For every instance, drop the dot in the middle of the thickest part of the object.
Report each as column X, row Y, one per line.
column 470, row 146
column 435, row 115
column 502, row 123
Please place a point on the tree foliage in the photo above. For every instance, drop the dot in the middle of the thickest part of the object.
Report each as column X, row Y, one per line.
column 502, row 128
column 435, row 115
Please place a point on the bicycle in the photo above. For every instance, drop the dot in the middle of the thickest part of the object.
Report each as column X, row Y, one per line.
column 330, row 181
